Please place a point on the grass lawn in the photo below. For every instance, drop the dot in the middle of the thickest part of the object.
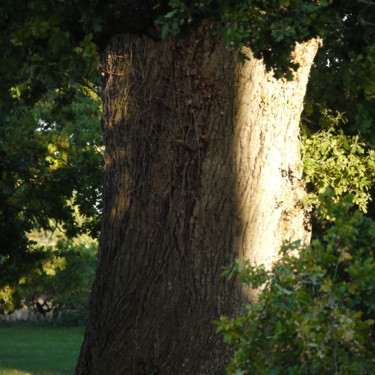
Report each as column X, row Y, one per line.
column 38, row 350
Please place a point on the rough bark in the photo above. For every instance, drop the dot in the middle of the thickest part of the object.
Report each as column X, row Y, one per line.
column 269, row 184
column 202, row 163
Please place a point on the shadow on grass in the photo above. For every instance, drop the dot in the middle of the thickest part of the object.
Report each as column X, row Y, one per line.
column 39, row 350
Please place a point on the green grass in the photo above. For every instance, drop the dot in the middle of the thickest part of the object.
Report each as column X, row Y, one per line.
column 38, row 350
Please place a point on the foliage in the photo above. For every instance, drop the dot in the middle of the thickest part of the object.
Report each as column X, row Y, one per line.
column 70, row 318
column 50, row 137
column 315, row 312
column 49, row 112
column 343, row 74
column 341, row 162
column 47, row 46
column 51, row 172
column 270, row 29
column 62, row 277
column 64, row 280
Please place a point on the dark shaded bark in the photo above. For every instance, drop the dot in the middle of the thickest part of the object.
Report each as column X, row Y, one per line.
column 178, row 180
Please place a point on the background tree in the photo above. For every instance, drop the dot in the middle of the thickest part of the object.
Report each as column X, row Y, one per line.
column 343, row 75
column 51, row 146
column 62, row 284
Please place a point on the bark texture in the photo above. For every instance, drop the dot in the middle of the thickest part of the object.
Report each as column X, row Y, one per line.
column 202, row 163
column 268, row 168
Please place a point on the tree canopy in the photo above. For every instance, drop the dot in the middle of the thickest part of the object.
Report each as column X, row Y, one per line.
column 54, row 44
column 50, row 139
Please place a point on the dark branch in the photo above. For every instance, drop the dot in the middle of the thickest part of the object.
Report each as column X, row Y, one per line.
column 130, row 16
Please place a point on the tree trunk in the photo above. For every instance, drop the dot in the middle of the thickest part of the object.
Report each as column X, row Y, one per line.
column 202, row 164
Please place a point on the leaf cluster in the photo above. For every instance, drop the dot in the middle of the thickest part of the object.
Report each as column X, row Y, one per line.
column 62, row 277
column 269, row 28
column 65, row 278
column 332, row 159
column 50, row 137
column 315, row 311
column 51, row 172
column 45, row 48
column 343, row 75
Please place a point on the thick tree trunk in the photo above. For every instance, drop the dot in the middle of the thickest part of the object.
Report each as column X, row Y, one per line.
column 202, row 163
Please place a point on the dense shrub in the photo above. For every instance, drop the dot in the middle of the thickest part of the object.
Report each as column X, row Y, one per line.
column 64, row 282
column 71, row 318
column 316, row 308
